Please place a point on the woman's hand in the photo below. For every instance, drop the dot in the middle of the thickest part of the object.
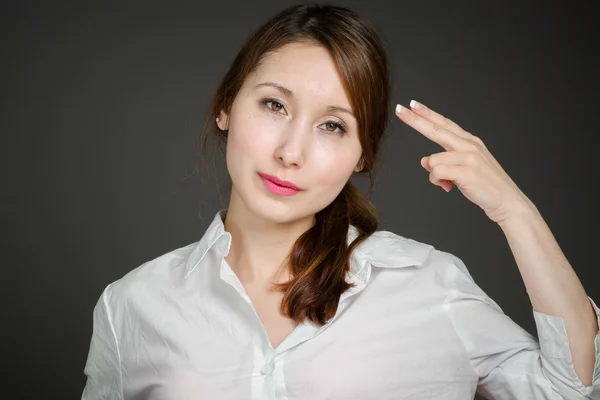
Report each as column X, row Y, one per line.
column 466, row 162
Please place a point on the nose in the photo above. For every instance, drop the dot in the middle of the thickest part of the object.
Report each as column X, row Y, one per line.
column 292, row 148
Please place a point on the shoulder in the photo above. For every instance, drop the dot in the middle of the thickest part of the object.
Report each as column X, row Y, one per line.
column 410, row 266
column 389, row 250
column 150, row 276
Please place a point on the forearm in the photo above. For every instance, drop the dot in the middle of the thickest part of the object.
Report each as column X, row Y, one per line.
column 552, row 284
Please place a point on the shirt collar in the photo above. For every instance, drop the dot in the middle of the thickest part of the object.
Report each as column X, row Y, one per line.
column 215, row 236
column 382, row 249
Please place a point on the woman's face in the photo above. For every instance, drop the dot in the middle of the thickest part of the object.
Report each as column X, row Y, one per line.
column 293, row 121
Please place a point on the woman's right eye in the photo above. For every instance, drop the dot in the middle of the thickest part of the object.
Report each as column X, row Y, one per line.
column 273, row 105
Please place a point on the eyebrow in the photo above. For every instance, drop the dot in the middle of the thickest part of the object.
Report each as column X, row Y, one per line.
column 289, row 93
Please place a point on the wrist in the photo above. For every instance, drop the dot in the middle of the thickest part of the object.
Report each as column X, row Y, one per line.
column 520, row 212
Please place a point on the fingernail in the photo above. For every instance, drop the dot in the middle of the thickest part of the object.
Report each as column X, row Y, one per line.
column 416, row 105
column 401, row 110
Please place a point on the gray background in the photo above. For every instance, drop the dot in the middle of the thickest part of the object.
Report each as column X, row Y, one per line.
column 103, row 103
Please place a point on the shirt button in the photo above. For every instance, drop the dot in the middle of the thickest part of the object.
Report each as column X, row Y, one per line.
column 268, row 368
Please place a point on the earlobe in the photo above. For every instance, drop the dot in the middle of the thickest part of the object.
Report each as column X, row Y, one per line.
column 359, row 166
column 222, row 121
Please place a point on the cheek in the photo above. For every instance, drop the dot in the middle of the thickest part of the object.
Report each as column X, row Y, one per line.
column 335, row 168
column 248, row 138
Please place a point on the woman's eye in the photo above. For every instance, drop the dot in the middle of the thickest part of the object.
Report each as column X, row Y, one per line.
column 334, row 127
column 273, row 105
column 329, row 126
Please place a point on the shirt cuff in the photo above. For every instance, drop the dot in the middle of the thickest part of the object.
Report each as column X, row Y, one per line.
column 554, row 343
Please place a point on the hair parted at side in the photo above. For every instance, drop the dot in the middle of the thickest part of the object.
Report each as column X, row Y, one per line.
column 320, row 258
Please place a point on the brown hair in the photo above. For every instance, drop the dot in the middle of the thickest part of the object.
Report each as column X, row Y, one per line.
column 320, row 257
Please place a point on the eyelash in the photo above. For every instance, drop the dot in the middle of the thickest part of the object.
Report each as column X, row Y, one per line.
column 338, row 125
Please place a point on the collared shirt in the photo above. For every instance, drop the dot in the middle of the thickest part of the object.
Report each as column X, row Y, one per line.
column 416, row 326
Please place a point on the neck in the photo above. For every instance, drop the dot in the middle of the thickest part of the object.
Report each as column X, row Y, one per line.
column 259, row 247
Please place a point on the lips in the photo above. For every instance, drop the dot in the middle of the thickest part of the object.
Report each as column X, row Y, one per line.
column 280, row 182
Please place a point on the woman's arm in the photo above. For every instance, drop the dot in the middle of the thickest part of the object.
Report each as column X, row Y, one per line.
column 557, row 296
column 553, row 287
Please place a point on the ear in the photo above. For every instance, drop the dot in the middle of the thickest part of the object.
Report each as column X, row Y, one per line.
column 359, row 166
column 223, row 121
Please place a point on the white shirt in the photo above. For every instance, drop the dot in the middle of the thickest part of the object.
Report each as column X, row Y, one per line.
column 415, row 327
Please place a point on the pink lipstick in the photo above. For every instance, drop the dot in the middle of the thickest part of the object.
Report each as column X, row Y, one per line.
column 279, row 186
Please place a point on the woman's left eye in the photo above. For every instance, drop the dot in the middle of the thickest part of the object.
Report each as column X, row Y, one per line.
column 332, row 126
column 273, row 105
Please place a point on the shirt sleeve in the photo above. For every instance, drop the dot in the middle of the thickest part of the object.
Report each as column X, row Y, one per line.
column 510, row 362
column 102, row 368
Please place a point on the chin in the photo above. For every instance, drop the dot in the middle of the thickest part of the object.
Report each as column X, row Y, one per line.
column 277, row 209
column 280, row 212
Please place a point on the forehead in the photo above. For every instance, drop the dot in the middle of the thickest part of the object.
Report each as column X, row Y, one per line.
column 306, row 68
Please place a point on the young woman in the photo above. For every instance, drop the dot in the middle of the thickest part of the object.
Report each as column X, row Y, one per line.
column 292, row 293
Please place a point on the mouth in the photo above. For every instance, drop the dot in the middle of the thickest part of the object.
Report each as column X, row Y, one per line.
column 279, row 186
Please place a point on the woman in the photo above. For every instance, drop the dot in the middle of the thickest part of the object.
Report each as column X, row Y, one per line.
column 292, row 293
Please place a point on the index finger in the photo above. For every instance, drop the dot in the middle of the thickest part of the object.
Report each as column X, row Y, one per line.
column 429, row 129
column 437, row 118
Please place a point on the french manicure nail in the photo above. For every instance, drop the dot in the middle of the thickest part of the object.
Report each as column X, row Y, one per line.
column 401, row 110
column 416, row 105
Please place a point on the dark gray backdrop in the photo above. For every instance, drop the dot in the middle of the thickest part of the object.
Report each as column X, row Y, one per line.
column 103, row 103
